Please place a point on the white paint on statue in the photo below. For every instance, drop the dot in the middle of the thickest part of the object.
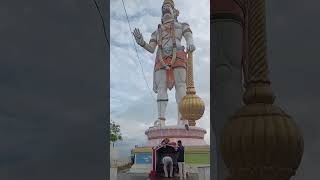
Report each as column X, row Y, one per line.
column 168, row 38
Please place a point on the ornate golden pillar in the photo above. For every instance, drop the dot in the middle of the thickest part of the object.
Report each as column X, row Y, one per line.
column 260, row 141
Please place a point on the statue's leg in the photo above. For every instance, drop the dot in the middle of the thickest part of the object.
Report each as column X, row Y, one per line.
column 162, row 98
column 181, row 88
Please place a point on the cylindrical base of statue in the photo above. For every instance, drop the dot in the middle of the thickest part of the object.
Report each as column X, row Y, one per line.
column 192, row 137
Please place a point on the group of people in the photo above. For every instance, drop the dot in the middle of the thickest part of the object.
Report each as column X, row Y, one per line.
column 167, row 160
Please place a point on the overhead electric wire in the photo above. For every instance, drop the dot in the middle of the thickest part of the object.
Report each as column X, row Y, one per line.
column 108, row 42
column 103, row 24
column 135, row 47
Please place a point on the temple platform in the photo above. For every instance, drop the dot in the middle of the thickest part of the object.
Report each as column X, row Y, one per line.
column 197, row 151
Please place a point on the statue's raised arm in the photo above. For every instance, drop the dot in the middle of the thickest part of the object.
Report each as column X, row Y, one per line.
column 139, row 39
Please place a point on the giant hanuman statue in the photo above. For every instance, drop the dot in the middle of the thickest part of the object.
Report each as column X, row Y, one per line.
column 171, row 57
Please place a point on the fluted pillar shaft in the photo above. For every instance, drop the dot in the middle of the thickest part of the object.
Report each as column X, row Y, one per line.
column 227, row 56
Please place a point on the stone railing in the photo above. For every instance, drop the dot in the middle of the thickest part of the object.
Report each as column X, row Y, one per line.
column 116, row 164
column 121, row 162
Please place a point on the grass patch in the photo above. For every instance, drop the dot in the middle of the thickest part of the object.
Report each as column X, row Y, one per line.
column 197, row 158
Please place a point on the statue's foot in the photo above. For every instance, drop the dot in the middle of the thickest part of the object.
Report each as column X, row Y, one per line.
column 162, row 122
column 156, row 123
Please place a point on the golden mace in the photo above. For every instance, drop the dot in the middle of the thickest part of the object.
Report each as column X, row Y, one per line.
column 191, row 106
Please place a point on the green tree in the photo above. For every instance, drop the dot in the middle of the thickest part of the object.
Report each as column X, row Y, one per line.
column 115, row 134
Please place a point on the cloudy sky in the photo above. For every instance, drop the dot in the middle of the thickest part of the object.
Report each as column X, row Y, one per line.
column 133, row 105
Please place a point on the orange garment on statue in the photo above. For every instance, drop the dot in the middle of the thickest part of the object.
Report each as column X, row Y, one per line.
column 181, row 61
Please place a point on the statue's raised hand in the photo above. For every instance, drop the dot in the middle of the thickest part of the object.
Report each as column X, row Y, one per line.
column 138, row 36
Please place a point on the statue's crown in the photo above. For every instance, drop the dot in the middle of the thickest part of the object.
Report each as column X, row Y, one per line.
column 168, row 2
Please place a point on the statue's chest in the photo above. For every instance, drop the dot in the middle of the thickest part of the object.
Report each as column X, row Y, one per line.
column 167, row 31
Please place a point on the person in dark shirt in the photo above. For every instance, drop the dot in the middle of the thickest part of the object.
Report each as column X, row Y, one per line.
column 180, row 160
column 132, row 156
column 166, row 158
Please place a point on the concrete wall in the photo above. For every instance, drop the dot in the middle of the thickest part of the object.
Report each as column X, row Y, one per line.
column 204, row 173
column 113, row 173
column 122, row 161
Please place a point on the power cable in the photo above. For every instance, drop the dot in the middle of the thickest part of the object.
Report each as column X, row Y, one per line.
column 102, row 20
column 135, row 47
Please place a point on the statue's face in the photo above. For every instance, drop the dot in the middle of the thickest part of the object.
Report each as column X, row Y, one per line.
column 167, row 11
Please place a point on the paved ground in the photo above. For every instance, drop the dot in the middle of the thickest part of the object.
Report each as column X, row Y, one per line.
column 125, row 175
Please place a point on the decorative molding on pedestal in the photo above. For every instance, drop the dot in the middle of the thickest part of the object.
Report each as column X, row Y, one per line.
column 192, row 137
column 175, row 132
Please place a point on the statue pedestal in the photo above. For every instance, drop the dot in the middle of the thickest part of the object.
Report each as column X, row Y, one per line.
column 197, row 151
column 192, row 137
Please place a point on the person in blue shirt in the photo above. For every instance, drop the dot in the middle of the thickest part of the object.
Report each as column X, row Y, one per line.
column 180, row 160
